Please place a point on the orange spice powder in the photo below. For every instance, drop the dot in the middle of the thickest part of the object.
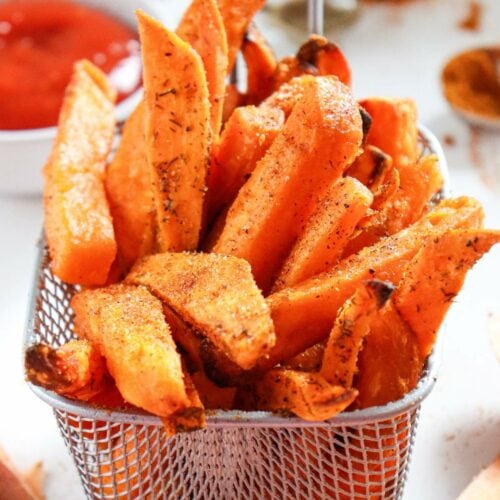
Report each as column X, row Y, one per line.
column 471, row 82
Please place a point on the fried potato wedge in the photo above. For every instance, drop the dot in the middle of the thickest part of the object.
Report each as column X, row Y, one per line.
column 247, row 136
column 76, row 370
column 435, row 276
column 216, row 295
column 232, row 99
column 287, row 96
column 186, row 338
column 177, row 133
column 127, row 325
column 317, row 56
column 129, row 193
column 189, row 419
column 418, row 183
column 237, row 17
column 199, row 354
column 393, row 128
column 319, row 140
column 213, row 396
column 311, row 307
column 307, row 361
column 370, row 166
column 307, row 395
column 261, row 65
column 202, row 27
column 340, row 359
column 78, row 224
column 384, row 192
column 321, row 244
column 389, row 363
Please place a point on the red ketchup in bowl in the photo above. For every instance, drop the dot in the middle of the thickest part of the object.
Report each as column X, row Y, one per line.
column 39, row 42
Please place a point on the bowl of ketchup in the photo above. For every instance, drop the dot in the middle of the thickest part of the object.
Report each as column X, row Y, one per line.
column 40, row 40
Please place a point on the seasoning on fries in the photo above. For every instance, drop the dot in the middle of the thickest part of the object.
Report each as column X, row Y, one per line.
column 277, row 248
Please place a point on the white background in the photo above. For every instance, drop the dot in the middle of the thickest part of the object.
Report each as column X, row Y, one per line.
column 394, row 51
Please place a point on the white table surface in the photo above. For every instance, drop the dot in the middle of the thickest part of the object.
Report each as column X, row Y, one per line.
column 393, row 51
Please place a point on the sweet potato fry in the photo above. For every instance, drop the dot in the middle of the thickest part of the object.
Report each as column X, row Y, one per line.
column 310, row 307
column 261, row 65
column 129, row 192
column 232, row 99
column 321, row 244
column 219, row 368
column 299, row 166
column 371, row 165
column 307, row 395
column 202, row 27
column 215, row 231
column 418, row 183
column 393, row 128
column 186, row 338
column 389, row 363
column 213, row 396
column 127, row 325
column 307, row 361
column 435, row 276
column 317, row 56
column 191, row 418
column 340, row 359
column 177, row 133
column 247, row 136
column 216, row 295
column 287, row 96
column 78, row 224
column 76, row 370
column 236, row 17
column 200, row 355
column 384, row 193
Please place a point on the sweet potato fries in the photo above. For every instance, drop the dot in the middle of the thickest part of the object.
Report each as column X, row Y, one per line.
column 281, row 248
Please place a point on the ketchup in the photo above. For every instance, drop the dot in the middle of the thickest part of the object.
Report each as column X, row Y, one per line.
column 39, row 42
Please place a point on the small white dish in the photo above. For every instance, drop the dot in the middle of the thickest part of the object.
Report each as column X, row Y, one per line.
column 24, row 152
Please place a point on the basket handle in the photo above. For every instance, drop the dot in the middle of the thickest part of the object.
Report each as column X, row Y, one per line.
column 315, row 15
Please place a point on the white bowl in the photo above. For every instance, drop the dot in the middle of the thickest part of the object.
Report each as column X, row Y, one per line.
column 24, row 152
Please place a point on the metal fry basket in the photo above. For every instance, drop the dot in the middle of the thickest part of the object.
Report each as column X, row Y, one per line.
column 240, row 455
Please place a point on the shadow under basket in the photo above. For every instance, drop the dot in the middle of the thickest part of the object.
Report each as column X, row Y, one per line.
column 240, row 455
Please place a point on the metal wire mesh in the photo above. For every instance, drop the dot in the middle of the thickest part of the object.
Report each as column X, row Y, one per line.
column 117, row 460
column 255, row 455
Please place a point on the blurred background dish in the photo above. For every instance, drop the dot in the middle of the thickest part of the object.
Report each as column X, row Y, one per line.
column 335, row 13
column 471, row 85
column 39, row 41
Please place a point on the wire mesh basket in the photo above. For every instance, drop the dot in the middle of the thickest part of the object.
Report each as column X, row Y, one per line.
column 240, row 455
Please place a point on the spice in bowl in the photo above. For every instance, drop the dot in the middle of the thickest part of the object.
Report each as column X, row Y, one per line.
column 471, row 83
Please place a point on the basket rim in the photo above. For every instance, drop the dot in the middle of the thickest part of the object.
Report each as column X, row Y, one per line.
column 238, row 418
